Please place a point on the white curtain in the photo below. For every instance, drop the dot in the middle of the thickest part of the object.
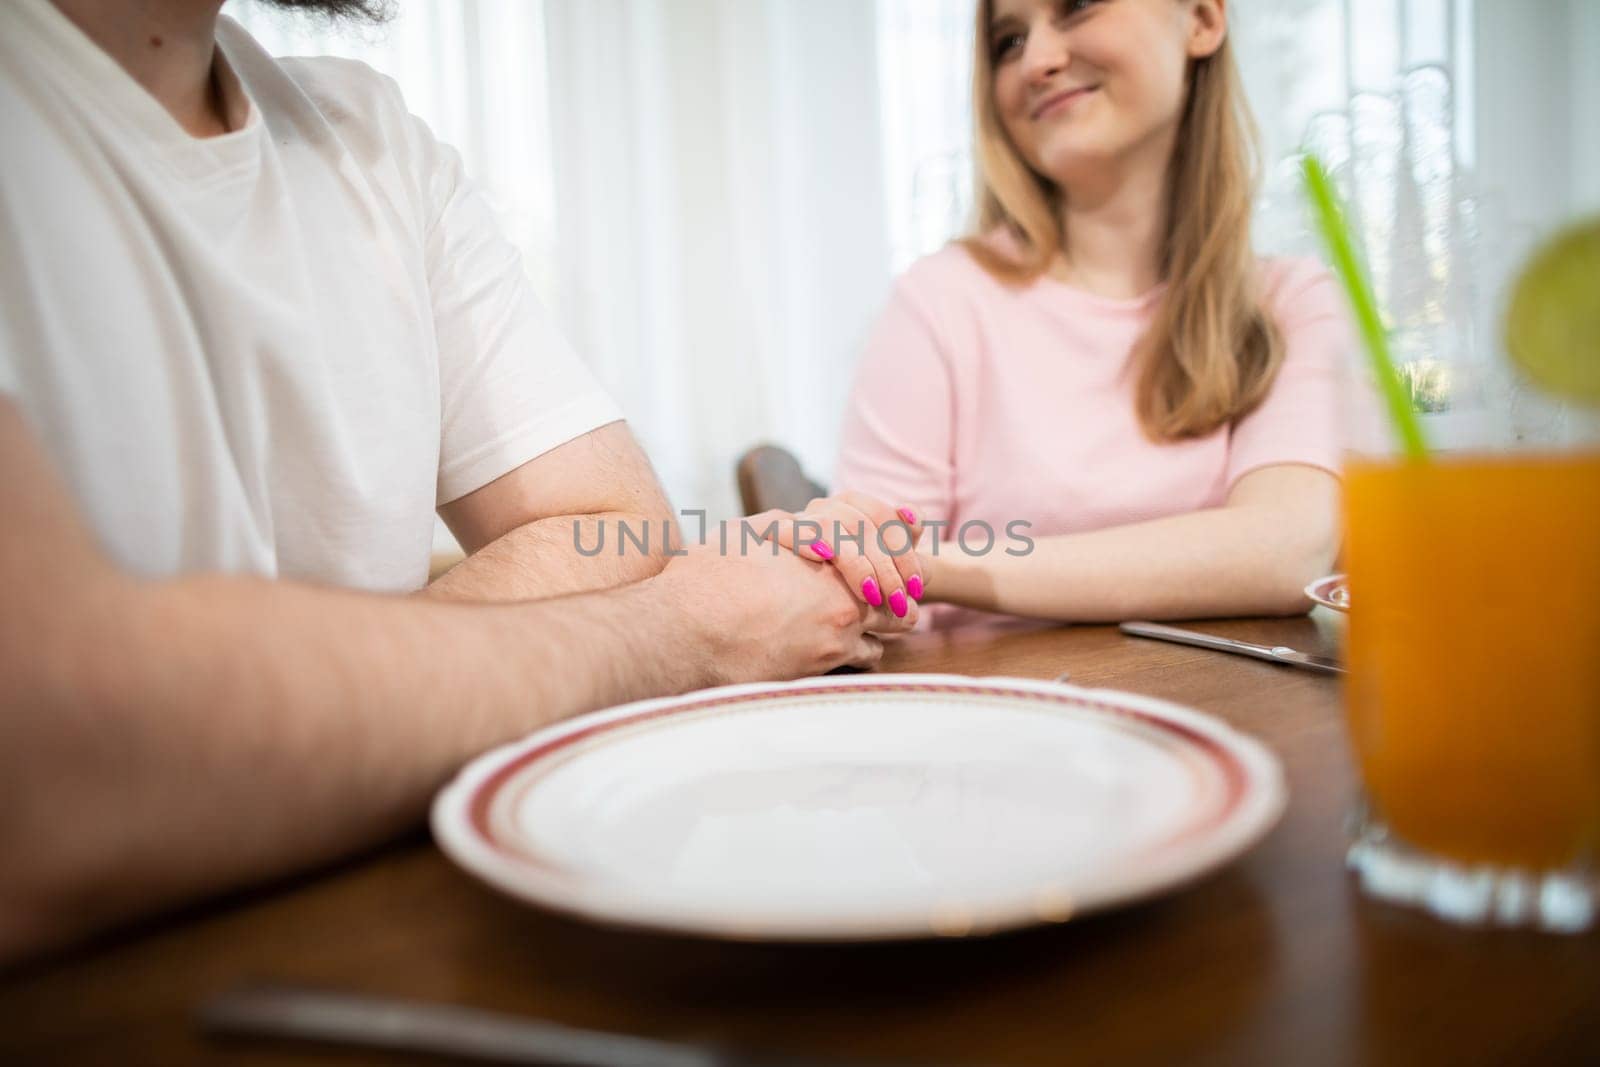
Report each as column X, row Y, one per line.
column 722, row 245
column 712, row 196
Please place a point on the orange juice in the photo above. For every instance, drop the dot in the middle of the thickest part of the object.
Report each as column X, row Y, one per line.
column 1474, row 653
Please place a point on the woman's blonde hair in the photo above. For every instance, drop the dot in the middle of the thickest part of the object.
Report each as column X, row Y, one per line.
column 1212, row 352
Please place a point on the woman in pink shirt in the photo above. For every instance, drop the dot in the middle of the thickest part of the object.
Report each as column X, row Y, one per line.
column 1104, row 378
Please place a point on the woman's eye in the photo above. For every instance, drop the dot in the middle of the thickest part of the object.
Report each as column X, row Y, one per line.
column 1007, row 45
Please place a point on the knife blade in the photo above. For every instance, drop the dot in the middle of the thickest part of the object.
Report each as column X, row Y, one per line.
column 1283, row 654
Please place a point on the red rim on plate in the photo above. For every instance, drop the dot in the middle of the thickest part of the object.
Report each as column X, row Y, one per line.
column 1237, row 784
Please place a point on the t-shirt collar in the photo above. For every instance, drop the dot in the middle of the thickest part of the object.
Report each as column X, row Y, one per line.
column 102, row 84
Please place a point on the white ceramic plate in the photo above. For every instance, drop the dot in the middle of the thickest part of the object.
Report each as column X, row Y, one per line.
column 866, row 807
column 1331, row 592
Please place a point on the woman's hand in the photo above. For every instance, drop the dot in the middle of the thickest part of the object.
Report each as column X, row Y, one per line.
column 872, row 545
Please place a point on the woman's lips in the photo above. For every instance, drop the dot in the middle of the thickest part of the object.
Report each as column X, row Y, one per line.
column 1055, row 102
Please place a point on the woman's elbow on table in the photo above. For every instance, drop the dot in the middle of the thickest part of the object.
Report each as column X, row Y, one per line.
column 1291, row 535
column 1305, row 548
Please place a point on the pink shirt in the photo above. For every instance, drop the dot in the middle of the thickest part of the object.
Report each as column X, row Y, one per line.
column 979, row 401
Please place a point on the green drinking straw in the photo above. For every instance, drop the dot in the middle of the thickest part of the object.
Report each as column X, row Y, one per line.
column 1336, row 234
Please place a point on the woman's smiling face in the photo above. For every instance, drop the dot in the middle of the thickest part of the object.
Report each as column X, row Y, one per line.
column 1082, row 83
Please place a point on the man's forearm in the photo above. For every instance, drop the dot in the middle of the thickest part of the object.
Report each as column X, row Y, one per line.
column 559, row 556
column 307, row 722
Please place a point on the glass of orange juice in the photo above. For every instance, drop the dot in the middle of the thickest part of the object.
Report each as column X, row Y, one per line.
column 1473, row 648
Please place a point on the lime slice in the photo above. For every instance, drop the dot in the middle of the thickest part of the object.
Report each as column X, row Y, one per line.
column 1553, row 325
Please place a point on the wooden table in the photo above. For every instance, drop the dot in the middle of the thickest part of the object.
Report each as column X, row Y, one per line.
column 1276, row 960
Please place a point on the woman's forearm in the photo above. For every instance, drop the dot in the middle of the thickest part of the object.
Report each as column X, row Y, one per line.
column 1246, row 558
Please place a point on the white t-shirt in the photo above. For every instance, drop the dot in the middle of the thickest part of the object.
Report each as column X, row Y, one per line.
column 275, row 351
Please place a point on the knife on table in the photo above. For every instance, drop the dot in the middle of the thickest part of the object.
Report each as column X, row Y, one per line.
column 1271, row 653
column 460, row 1034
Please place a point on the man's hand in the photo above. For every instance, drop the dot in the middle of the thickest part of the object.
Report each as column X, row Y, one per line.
column 767, row 613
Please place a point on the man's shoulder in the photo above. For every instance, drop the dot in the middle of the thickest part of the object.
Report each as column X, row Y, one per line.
column 344, row 88
column 347, row 94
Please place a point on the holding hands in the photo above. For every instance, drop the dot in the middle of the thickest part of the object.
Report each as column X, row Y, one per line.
column 850, row 577
column 871, row 545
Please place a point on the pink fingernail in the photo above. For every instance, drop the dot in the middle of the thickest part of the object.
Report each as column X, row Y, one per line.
column 822, row 550
column 908, row 515
column 870, row 590
column 914, row 586
column 897, row 604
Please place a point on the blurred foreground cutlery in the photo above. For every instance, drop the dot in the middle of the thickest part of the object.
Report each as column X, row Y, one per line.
column 1272, row 653
column 281, row 1011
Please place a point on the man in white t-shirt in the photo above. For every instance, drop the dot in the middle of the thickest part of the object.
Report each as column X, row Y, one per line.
column 257, row 328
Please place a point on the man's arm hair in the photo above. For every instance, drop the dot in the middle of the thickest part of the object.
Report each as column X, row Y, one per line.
column 585, row 516
column 164, row 739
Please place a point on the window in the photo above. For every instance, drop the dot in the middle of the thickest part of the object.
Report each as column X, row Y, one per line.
column 925, row 73
column 1301, row 61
